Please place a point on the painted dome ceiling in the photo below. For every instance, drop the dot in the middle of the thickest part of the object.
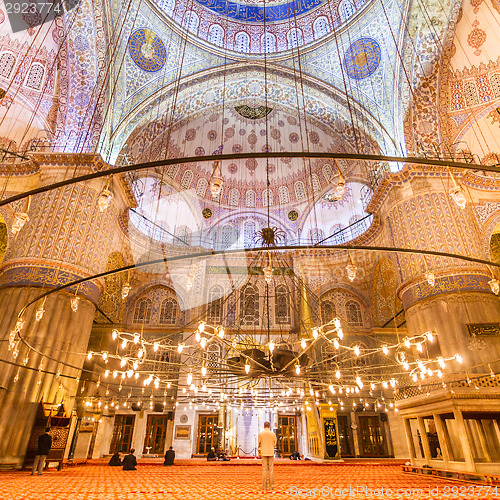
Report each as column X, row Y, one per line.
column 259, row 26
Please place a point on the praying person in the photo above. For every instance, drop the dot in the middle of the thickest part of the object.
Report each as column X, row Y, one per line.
column 267, row 443
column 115, row 460
column 129, row 461
column 169, row 457
column 44, row 445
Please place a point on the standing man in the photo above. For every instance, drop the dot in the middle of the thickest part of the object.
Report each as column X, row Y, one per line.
column 44, row 445
column 267, row 443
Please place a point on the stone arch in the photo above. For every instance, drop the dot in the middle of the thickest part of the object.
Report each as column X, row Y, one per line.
column 342, row 297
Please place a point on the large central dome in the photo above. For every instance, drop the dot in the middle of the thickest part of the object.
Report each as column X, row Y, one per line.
column 259, row 26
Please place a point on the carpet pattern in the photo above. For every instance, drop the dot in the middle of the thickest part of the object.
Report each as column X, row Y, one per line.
column 224, row 482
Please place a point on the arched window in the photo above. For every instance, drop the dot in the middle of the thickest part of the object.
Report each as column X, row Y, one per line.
column 35, row 76
column 214, row 355
column 225, row 237
column 268, row 42
column 267, row 198
column 214, row 313
column 249, row 305
column 346, row 10
column 182, row 236
column 172, row 171
column 328, row 311
column 316, row 235
column 142, row 311
column 320, row 27
column 168, row 311
column 242, row 42
column 201, row 187
column 234, row 197
column 315, row 183
column 353, row 313
column 300, row 191
column 216, row 34
column 191, row 21
column 327, row 172
column 167, row 6
column 186, row 179
column 284, row 194
column 495, row 84
column 7, row 61
column 249, row 234
column 282, row 305
column 250, row 199
column 294, row 37
column 470, row 91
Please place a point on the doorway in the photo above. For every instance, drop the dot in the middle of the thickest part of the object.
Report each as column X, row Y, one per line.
column 156, row 433
column 208, row 433
column 371, row 436
column 344, row 433
column 287, row 434
column 122, row 434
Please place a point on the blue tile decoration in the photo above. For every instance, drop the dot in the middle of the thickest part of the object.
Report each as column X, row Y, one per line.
column 158, row 51
column 255, row 13
column 362, row 58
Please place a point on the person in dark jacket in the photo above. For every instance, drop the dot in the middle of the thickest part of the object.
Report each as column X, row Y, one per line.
column 44, row 445
column 129, row 461
column 211, row 457
column 169, row 457
column 115, row 460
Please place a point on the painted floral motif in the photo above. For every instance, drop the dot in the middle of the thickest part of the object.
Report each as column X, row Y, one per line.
column 476, row 38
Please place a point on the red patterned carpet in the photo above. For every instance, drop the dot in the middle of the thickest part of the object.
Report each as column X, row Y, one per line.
column 223, row 481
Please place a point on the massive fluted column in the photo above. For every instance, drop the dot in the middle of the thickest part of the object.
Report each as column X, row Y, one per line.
column 420, row 214
column 66, row 238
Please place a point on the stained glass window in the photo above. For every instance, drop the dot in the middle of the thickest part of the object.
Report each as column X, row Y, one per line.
column 353, row 313
column 346, row 10
column 250, row 201
column 242, row 42
column 267, row 198
column 300, row 191
column 282, row 305
column 168, row 311
column 249, row 234
column 191, row 21
column 328, row 311
column 268, row 43
column 234, row 197
column 249, row 305
column 320, row 27
column 294, row 37
column 142, row 312
column 215, row 304
column 35, row 76
column 284, row 194
column 7, row 61
column 216, row 35
column 470, row 91
column 201, row 187
column 186, row 179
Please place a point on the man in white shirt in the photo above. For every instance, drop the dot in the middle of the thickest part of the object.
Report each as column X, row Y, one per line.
column 267, row 443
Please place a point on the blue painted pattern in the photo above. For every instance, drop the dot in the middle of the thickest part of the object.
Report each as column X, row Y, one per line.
column 362, row 58
column 254, row 13
column 135, row 43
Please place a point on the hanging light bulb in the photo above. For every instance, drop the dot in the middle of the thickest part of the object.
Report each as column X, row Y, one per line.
column 351, row 271
column 136, row 338
column 271, row 346
column 359, row 382
column 20, row 219
column 315, row 333
column 156, row 346
column 203, row 370
column 407, row 343
column 126, row 290
column 105, row 198
column 340, row 188
column 89, row 355
column 419, row 347
column 135, row 365
column 459, row 358
column 356, row 350
column 297, row 369
column 268, row 274
column 217, row 183
column 201, row 327
column 430, row 336
column 337, row 323
column 123, row 362
column 104, row 355
column 431, row 279
column 494, row 285
column 303, row 343
column 74, row 303
column 385, row 350
column 40, row 311
column 458, row 196
column 114, row 334
column 221, row 333
column 247, row 368
column 203, row 342
column 336, row 343
column 340, row 333
column 124, row 344
column 180, row 348
column 338, row 374
column 140, row 353
column 189, row 378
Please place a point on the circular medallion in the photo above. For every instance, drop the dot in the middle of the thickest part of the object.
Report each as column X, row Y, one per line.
column 207, row 213
column 362, row 58
column 147, row 50
column 183, row 419
column 293, row 215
